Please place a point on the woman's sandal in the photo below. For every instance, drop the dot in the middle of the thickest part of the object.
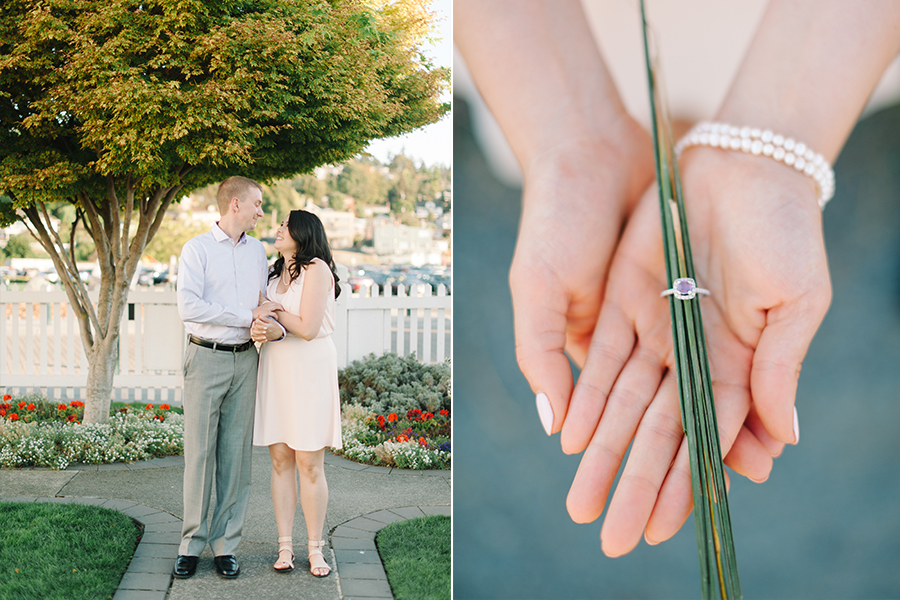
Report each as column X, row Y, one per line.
column 315, row 549
column 284, row 545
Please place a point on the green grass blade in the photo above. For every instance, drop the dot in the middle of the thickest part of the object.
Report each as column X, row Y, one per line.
column 715, row 543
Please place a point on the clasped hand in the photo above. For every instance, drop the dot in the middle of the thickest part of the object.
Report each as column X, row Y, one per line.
column 262, row 329
column 757, row 245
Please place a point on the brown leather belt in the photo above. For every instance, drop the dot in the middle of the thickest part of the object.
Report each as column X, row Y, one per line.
column 218, row 346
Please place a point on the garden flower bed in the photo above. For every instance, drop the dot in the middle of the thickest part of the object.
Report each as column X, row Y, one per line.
column 416, row 441
column 395, row 412
column 38, row 433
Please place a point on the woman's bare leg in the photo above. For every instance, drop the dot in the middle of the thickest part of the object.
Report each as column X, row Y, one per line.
column 314, row 500
column 284, row 497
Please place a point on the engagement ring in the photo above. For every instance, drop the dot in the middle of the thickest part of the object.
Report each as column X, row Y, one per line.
column 684, row 288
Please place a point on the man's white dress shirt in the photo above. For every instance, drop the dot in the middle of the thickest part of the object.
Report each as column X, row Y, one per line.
column 219, row 283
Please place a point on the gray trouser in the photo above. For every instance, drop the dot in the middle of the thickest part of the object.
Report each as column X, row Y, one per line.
column 219, row 396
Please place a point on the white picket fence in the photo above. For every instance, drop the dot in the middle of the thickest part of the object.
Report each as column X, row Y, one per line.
column 41, row 350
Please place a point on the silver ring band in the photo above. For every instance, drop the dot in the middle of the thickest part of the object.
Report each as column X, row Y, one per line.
column 684, row 288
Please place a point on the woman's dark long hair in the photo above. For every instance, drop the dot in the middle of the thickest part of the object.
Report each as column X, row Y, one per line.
column 308, row 232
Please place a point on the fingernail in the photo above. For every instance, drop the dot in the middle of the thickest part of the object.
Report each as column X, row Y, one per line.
column 545, row 412
column 796, row 427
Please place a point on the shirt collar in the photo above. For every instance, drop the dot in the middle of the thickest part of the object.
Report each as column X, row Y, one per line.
column 221, row 236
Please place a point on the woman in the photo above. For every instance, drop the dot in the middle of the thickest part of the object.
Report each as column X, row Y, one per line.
column 298, row 406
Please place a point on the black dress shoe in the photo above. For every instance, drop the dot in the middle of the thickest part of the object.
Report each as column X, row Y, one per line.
column 227, row 566
column 185, row 566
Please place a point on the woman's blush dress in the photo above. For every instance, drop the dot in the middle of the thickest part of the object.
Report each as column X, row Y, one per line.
column 297, row 399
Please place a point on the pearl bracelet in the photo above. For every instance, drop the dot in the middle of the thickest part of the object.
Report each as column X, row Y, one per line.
column 764, row 142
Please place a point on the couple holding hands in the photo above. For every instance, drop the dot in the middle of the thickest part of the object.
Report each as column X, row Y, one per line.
column 284, row 397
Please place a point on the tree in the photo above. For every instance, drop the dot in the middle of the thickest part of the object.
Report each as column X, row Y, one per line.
column 311, row 186
column 121, row 107
column 362, row 180
column 280, row 198
column 404, row 190
column 17, row 246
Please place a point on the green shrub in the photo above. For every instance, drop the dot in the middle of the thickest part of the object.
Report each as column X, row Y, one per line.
column 390, row 383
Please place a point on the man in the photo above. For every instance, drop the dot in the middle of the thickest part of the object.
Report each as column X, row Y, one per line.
column 220, row 278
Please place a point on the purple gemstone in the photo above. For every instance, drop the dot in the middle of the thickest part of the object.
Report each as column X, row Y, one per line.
column 684, row 286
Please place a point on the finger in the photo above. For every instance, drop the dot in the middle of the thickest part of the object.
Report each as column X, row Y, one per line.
column 675, row 500
column 539, row 309
column 627, row 403
column 776, row 363
column 749, row 457
column 753, row 423
column 655, row 445
column 612, row 343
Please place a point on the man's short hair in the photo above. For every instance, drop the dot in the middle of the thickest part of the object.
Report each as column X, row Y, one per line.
column 234, row 187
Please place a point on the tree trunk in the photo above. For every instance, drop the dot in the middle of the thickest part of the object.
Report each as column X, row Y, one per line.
column 101, row 368
column 118, row 253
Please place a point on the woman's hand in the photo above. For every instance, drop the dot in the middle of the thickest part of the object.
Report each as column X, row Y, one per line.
column 576, row 198
column 757, row 246
column 258, row 331
column 265, row 329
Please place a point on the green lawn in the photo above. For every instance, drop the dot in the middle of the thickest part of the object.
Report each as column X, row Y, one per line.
column 63, row 551
column 416, row 556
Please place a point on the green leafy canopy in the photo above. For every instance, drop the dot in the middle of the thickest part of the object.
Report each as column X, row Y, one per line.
column 151, row 94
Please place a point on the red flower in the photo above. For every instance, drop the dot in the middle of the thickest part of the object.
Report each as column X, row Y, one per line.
column 62, row 407
column 2, row 413
column 21, row 405
column 149, row 407
column 413, row 414
column 164, row 406
column 444, row 412
column 380, row 418
column 402, row 438
column 76, row 403
column 30, row 406
column 423, row 441
column 427, row 416
column 14, row 417
column 71, row 418
column 392, row 417
column 7, row 398
column 123, row 410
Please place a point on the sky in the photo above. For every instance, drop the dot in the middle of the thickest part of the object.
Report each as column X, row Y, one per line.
column 431, row 145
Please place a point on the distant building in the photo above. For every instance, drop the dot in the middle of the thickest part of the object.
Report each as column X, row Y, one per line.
column 413, row 245
column 429, row 209
column 341, row 227
column 325, row 171
column 445, row 221
column 372, row 210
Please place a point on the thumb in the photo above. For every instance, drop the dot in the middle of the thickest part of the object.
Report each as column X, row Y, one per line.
column 539, row 307
column 777, row 360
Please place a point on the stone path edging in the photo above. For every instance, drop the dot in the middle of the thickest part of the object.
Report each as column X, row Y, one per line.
column 361, row 572
column 149, row 574
column 358, row 565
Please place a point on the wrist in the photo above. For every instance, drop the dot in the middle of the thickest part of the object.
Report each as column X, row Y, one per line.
column 619, row 156
column 768, row 144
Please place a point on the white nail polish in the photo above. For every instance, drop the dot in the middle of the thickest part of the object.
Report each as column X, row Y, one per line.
column 796, row 427
column 545, row 412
